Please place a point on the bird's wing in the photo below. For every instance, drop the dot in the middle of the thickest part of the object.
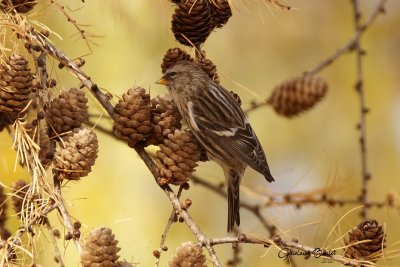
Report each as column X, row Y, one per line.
column 227, row 129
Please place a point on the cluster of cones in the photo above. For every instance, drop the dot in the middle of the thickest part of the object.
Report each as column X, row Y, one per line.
column 194, row 20
column 157, row 122
column 58, row 128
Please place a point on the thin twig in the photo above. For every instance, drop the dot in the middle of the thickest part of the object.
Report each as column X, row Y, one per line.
column 57, row 257
column 65, row 215
column 162, row 246
column 361, row 125
column 172, row 218
column 298, row 202
column 80, row 31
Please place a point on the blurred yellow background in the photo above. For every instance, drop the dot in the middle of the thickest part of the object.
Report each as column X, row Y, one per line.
column 259, row 47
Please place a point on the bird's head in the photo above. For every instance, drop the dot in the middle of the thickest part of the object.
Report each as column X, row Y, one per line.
column 184, row 75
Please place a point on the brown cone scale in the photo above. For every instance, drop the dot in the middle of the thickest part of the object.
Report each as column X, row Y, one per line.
column 177, row 157
column 297, row 95
column 15, row 84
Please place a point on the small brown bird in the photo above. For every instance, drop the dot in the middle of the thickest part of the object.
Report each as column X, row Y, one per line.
column 219, row 125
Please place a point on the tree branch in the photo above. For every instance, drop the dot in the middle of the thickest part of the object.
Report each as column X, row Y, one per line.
column 285, row 247
column 352, row 43
column 347, row 47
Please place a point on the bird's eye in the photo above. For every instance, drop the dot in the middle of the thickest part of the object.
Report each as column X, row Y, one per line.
column 172, row 74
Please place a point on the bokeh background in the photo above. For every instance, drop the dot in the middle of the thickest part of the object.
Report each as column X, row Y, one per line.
column 259, row 47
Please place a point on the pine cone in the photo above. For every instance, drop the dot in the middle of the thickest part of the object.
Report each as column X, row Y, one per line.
column 3, row 206
column 100, row 249
column 367, row 230
column 172, row 56
column 208, row 67
column 220, row 12
column 15, row 84
column 177, row 157
column 67, row 112
column 21, row 6
column 192, row 19
column 188, row 254
column 76, row 154
column 132, row 116
column 297, row 95
column 165, row 117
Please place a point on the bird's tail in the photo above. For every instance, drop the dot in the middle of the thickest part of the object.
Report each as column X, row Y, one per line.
column 233, row 179
column 267, row 174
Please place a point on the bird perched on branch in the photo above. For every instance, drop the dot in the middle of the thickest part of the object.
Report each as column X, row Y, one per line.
column 219, row 125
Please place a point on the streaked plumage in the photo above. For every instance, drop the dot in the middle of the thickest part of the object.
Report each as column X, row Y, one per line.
column 219, row 124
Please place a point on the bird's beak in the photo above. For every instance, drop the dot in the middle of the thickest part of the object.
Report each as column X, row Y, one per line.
column 162, row 81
